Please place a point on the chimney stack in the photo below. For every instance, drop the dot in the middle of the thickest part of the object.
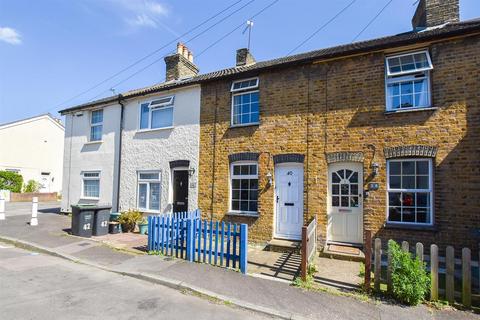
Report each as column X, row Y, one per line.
column 244, row 57
column 180, row 65
column 431, row 13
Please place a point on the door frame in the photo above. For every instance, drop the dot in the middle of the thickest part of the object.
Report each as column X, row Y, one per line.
column 296, row 165
column 171, row 187
column 328, row 202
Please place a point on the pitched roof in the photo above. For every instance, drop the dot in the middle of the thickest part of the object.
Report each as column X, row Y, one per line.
column 26, row 120
column 448, row 30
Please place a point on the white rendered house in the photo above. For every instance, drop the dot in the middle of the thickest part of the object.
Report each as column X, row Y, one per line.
column 139, row 149
column 33, row 147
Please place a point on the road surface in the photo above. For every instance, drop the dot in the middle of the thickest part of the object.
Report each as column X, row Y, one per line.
column 38, row 286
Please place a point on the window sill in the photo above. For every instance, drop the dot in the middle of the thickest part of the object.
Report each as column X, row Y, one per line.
column 404, row 226
column 156, row 129
column 94, row 142
column 253, row 124
column 89, row 198
column 243, row 214
column 149, row 211
column 411, row 110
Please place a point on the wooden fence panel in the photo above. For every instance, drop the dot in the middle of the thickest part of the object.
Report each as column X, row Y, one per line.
column 309, row 246
column 437, row 265
column 377, row 264
column 368, row 259
column 419, row 251
column 389, row 273
column 466, row 277
column 434, row 272
column 185, row 235
column 450, row 274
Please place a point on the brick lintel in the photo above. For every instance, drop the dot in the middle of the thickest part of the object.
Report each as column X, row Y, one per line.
column 243, row 156
column 344, row 156
column 410, row 151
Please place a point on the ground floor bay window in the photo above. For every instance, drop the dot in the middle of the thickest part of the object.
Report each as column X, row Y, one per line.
column 149, row 191
column 410, row 194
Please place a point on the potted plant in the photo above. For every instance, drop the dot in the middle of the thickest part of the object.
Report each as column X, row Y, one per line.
column 143, row 226
column 128, row 219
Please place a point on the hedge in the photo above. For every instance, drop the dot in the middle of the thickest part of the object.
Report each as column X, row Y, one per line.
column 11, row 181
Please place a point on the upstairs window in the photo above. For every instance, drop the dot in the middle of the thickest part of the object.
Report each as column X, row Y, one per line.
column 245, row 84
column 157, row 113
column 91, row 184
column 408, row 81
column 410, row 191
column 244, row 184
column 245, row 99
column 96, row 125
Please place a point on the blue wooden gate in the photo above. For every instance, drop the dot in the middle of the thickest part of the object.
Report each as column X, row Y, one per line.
column 187, row 236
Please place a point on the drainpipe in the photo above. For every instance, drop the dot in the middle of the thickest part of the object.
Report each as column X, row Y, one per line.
column 122, row 107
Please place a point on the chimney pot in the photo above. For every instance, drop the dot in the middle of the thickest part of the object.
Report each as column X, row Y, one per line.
column 180, row 65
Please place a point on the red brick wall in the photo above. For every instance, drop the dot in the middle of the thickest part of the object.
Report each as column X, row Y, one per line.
column 27, row 197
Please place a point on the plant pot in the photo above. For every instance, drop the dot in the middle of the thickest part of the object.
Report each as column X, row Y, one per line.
column 143, row 228
column 128, row 227
column 114, row 227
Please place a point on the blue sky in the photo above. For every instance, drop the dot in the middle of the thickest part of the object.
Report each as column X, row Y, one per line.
column 52, row 50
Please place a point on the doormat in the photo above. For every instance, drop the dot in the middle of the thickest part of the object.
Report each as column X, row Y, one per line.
column 344, row 249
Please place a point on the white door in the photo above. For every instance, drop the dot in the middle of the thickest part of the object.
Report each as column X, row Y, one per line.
column 289, row 201
column 345, row 202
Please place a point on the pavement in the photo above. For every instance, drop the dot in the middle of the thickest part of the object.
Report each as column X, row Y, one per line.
column 39, row 286
column 25, row 208
column 275, row 298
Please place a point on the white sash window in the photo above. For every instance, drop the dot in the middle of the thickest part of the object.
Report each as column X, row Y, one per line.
column 408, row 81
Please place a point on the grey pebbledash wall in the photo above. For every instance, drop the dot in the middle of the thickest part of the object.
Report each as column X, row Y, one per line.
column 156, row 149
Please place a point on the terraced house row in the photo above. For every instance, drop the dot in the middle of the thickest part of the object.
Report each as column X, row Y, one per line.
column 379, row 135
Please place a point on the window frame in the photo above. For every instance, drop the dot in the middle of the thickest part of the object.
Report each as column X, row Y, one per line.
column 408, row 76
column 161, row 106
column 430, row 190
column 97, row 124
column 231, row 176
column 97, row 178
column 410, row 53
column 232, row 108
column 147, row 182
column 246, row 88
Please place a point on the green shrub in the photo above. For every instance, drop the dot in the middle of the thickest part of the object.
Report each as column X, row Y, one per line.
column 128, row 219
column 31, row 186
column 410, row 281
column 11, row 181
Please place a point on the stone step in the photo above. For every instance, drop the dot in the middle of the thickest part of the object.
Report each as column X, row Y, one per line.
column 343, row 252
column 284, row 246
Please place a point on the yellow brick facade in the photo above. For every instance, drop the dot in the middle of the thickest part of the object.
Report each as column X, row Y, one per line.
column 322, row 107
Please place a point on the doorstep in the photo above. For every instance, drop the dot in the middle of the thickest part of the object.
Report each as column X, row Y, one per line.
column 343, row 252
column 284, row 246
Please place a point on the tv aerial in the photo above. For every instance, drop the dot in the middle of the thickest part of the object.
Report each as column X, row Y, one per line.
column 249, row 28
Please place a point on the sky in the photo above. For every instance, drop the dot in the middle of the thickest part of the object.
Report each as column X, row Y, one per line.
column 52, row 51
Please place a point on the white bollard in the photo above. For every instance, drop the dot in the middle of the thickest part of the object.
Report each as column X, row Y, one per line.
column 34, row 220
column 2, row 208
